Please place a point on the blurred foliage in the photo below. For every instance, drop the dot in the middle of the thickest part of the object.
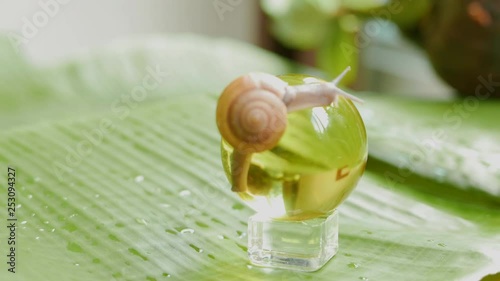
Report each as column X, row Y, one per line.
column 337, row 48
column 301, row 24
column 463, row 43
column 462, row 38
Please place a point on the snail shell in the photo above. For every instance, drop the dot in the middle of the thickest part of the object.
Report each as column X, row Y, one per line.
column 251, row 114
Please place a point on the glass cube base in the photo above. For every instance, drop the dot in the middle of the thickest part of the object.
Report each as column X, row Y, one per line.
column 297, row 245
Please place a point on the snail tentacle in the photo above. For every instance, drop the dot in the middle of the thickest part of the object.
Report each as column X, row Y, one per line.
column 316, row 94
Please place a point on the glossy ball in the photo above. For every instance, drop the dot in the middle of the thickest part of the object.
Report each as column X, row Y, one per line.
column 314, row 166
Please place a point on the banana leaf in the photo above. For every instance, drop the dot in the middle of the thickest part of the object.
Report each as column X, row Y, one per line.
column 118, row 174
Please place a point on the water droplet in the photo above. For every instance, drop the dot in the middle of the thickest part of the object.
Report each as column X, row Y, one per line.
column 241, row 234
column 249, row 266
column 139, row 178
column 217, row 221
column 363, row 278
column 201, row 224
column 37, row 238
column 244, row 248
column 30, row 196
column 24, row 222
column 222, row 237
column 184, row 193
column 113, row 237
column 97, row 195
column 46, row 222
column 77, row 264
column 353, row 265
column 70, row 227
column 141, row 221
column 96, row 260
column 440, row 174
column 442, row 245
column 166, row 275
column 197, row 249
column 37, row 179
column 41, row 229
column 430, row 240
column 211, row 256
column 136, row 253
column 52, row 230
column 238, row 206
column 187, row 231
column 19, row 206
column 74, row 247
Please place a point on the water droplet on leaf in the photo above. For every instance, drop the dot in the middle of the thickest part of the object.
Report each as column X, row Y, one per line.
column 113, row 237
column 136, row 253
column 141, row 221
column 353, row 265
column 187, row 231
column 74, row 247
column 238, row 206
column 197, row 249
column 184, row 193
column 170, row 231
column 201, row 224
column 217, row 221
column 244, row 248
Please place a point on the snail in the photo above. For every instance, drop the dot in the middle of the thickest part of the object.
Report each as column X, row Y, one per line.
column 252, row 114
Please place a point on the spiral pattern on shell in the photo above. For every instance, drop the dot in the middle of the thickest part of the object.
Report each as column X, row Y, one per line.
column 251, row 114
column 256, row 119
